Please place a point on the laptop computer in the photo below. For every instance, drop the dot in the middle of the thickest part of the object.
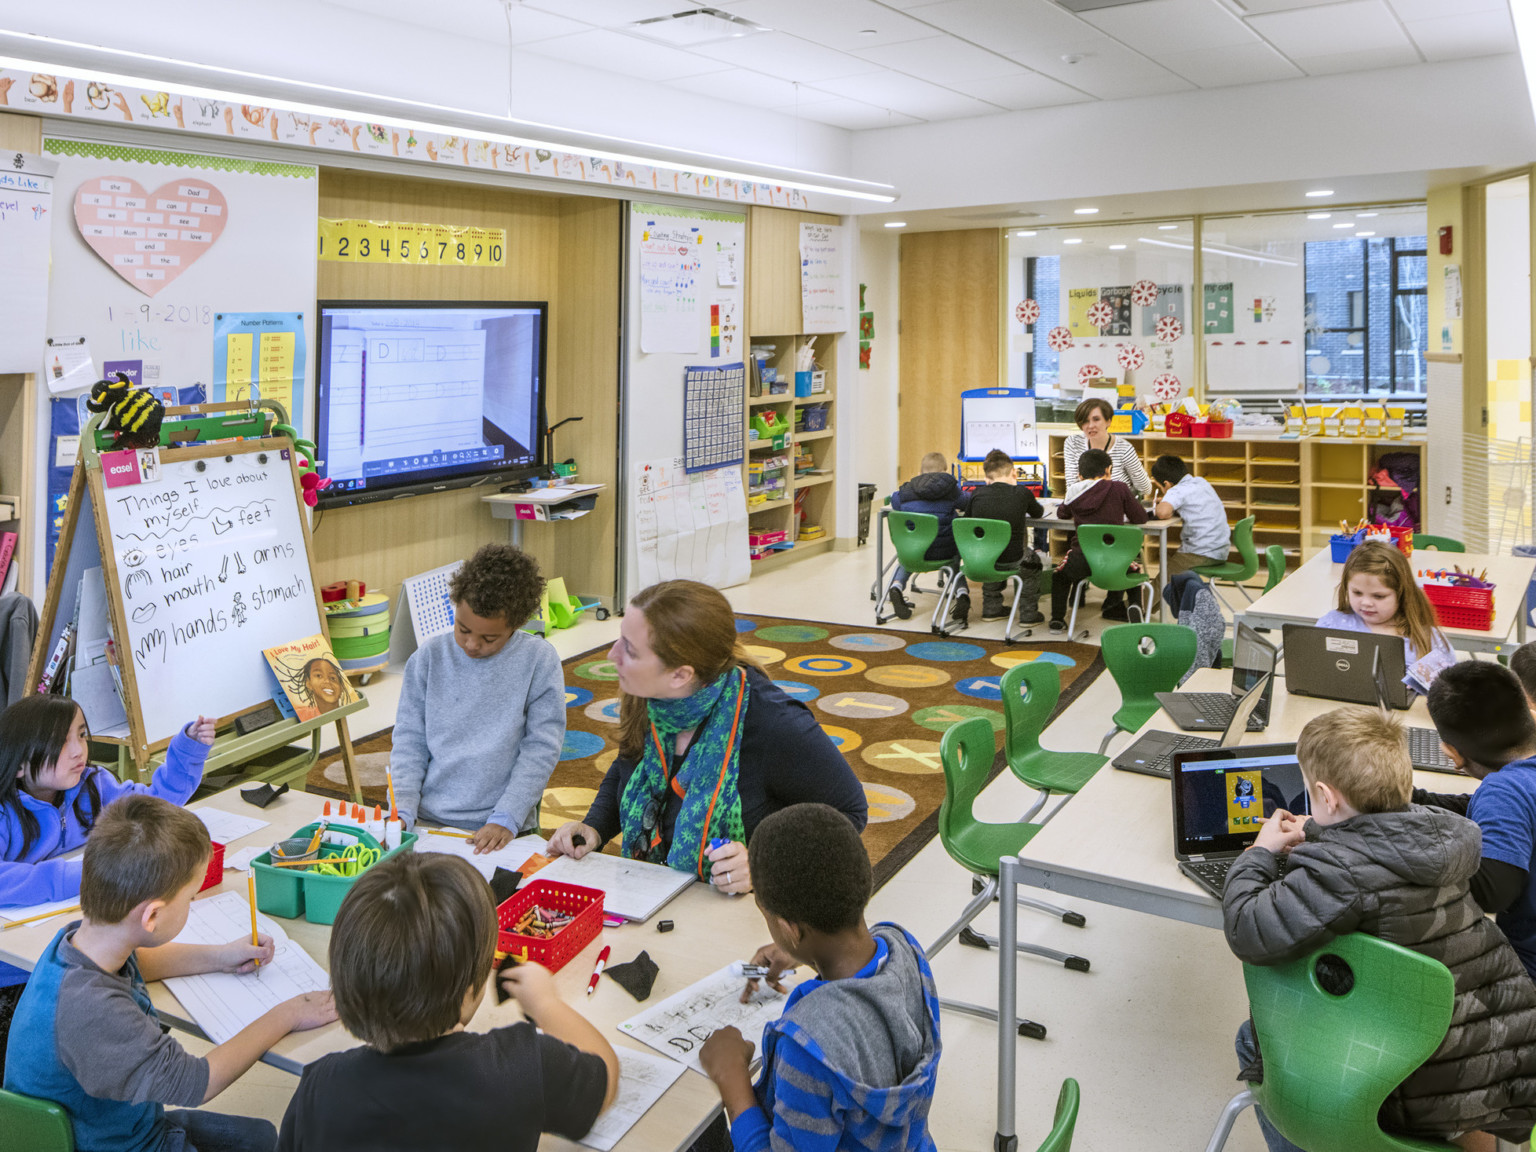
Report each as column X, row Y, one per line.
column 1152, row 752
column 1220, row 796
column 1424, row 748
column 1337, row 664
column 1253, row 660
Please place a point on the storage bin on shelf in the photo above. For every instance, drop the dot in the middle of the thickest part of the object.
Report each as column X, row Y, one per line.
column 1402, row 538
column 1220, row 429
column 815, row 417
column 1342, row 546
column 1470, row 608
column 586, row 904
column 295, row 892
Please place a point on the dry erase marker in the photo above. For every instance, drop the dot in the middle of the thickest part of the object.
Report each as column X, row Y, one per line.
column 750, row 971
column 250, row 885
column 602, row 958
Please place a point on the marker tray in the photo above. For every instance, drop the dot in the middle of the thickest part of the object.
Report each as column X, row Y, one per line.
column 295, row 892
column 1470, row 608
column 557, row 951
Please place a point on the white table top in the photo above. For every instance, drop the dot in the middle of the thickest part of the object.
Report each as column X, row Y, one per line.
column 711, row 931
column 1312, row 590
column 1113, row 841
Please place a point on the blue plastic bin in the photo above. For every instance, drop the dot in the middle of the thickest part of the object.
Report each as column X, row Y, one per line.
column 1527, row 551
column 1342, row 546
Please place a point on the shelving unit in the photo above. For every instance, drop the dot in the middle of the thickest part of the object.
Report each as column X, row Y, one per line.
column 1296, row 490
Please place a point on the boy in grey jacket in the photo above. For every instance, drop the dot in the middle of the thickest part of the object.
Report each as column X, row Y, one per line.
column 1369, row 861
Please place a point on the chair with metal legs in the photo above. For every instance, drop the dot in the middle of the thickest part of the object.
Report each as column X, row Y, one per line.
column 1235, row 572
column 1110, row 550
column 911, row 535
column 1144, row 659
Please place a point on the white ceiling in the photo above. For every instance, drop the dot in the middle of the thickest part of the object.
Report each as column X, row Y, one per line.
column 861, row 64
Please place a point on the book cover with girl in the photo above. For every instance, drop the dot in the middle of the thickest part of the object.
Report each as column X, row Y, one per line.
column 310, row 676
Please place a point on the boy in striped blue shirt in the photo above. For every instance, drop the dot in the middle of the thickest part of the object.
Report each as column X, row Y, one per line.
column 853, row 1061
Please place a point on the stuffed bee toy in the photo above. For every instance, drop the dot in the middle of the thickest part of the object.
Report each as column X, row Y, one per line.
column 135, row 413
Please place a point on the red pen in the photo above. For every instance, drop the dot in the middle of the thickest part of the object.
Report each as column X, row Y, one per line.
column 602, row 958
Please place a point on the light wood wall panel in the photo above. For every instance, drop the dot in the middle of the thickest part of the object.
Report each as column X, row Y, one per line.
column 18, row 393
column 949, row 334
column 773, row 269
column 384, row 543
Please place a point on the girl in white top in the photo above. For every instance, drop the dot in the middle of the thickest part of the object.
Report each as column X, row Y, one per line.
column 1093, row 416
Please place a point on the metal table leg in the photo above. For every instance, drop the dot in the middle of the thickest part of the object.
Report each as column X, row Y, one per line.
column 1006, row 1139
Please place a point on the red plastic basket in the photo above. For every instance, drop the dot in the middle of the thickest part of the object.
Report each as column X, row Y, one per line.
column 1199, row 429
column 215, row 874
column 554, row 953
column 1461, row 607
column 1220, row 429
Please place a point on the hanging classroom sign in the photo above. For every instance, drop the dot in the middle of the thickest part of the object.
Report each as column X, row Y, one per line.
column 418, row 245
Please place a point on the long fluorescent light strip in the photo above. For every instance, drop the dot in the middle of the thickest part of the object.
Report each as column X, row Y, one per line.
column 1236, row 255
column 885, row 195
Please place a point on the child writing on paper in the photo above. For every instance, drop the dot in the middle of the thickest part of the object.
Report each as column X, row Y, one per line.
column 50, row 796
column 411, row 955
column 85, row 1034
column 853, row 1061
column 482, row 712
column 1377, row 593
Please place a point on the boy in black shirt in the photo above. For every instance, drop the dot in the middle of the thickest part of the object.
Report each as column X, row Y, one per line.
column 1005, row 499
column 411, row 954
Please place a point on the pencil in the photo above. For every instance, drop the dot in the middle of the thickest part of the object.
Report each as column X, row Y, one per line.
column 389, row 779
column 39, row 916
column 250, row 887
column 450, row 832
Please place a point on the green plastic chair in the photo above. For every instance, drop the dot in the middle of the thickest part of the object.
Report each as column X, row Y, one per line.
column 966, row 752
column 1030, row 694
column 31, row 1125
column 1110, row 550
column 1067, row 1101
column 981, row 542
column 1274, row 566
column 1330, row 1061
column 1439, row 543
column 911, row 535
column 1144, row 659
column 1236, row 572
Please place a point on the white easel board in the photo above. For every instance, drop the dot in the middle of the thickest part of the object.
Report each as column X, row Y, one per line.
column 1001, row 418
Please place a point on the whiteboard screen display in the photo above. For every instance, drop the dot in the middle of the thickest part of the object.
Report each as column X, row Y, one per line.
column 212, row 567
column 1006, row 423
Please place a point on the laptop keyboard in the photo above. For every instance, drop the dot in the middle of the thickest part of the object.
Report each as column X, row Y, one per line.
column 1425, row 751
column 1212, row 703
column 1163, row 765
column 1210, row 874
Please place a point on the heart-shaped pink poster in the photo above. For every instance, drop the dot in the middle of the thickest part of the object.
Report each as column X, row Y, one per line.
column 150, row 238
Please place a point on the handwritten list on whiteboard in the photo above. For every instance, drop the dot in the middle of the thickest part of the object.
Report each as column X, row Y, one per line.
column 823, row 297
column 669, row 288
column 26, row 206
column 690, row 527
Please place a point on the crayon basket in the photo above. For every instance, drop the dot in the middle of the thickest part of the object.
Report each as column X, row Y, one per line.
column 295, row 892
column 1461, row 607
column 585, row 903
column 1342, row 546
column 215, row 874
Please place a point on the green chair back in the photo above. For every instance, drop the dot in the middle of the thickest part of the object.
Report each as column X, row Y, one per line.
column 966, row 752
column 1146, row 659
column 1067, row 1100
column 1110, row 549
column 911, row 534
column 1440, row 543
column 31, row 1125
column 1247, row 562
column 1030, row 693
column 1274, row 566
column 981, row 542
column 1330, row 1061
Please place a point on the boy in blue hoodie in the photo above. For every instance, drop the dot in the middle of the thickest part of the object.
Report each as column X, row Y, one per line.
column 853, row 1061
column 935, row 492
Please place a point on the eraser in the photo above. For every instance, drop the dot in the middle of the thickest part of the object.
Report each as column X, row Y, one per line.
column 579, row 840
column 664, row 926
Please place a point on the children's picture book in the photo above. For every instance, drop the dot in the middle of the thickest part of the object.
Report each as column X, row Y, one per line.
column 310, row 676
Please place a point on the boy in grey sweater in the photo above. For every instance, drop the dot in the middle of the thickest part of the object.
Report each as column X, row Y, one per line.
column 482, row 713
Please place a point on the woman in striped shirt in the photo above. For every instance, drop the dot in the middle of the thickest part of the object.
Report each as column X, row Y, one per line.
column 1093, row 416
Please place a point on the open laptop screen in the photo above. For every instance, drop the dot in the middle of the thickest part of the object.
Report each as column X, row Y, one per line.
column 1253, row 658
column 1222, row 795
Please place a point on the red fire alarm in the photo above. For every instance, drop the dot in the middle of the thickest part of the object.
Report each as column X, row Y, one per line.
column 1445, row 240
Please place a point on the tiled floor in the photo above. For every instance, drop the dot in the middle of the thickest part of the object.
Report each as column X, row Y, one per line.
column 1147, row 1033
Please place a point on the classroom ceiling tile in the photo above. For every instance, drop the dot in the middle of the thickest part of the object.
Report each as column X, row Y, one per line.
column 1158, row 27
column 1103, row 68
column 1357, row 26
column 603, row 13
column 626, row 55
column 1006, row 26
column 787, row 57
column 845, row 25
column 1362, row 61
column 1238, row 64
column 852, row 114
column 1026, row 90
column 1464, row 35
column 1429, row 9
column 943, row 60
column 909, row 95
column 741, row 86
column 1255, row 7
column 470, row 19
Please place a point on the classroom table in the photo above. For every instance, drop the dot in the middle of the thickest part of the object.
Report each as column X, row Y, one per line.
column 1312, row 590
column 1113, row 842
column 711, row 930
column 1152, row 527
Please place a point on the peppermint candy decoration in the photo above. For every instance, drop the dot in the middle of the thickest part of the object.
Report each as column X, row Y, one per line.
column 1166, row 386
column 1058, row 339
column 1144, row 293
column 1087, row 372
column 1130, row 357
column 1101, row 314
column 1169, row 329
column 1027, row 311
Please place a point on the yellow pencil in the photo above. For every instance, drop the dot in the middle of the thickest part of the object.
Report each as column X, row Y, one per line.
column 250, row 887
column 39, row 916
column 450, row 832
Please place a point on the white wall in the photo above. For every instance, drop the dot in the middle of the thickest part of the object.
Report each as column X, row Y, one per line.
column 1412, row 119
column 1509, row 270
column 318, row 43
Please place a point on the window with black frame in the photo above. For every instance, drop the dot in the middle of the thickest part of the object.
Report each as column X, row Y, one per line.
column 1367, row 316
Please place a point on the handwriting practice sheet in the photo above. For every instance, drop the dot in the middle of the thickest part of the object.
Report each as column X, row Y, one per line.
column 512, row 857
column 643, row 1080
column 680, row 1024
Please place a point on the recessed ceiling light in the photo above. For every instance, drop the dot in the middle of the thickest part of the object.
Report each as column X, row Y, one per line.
column 1116, row 247
column 895, row 223
column 1085, row 211
column 868, row 32
column 1366, row 215
column 1166, row 227
column 1346, row 224
column 1321, row 192
column 1360, row 234
column 1026, row 233
column 1072, row 240
column 1319, row 215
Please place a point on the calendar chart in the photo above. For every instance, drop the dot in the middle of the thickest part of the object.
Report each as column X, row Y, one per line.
column 713, row 416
